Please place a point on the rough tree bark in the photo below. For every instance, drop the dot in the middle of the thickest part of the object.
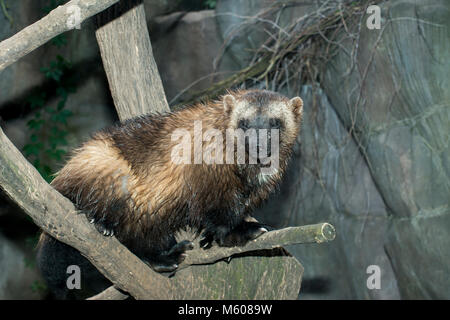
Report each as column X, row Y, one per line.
column 55, row 23
column 126, row 50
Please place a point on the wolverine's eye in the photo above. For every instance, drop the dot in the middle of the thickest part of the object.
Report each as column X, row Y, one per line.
column 275, row 123
column 243, row 124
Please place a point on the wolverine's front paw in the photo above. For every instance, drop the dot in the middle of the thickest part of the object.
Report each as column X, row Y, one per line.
column 178, row 251
column 243, row 233
column 212, row 234
column 238, row 236
column 168, row 261
column 207, row 240
column 104, row 228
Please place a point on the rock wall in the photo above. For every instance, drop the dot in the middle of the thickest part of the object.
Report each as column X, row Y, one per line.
column 401, row 117
column 193, row 37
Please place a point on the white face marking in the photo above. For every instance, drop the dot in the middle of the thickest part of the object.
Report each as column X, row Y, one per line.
column 125, row 185
column 242, row 110
column 263, row 178
column 282, row 111
column 277, row 110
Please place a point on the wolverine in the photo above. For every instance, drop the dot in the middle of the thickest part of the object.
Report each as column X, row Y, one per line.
column 125, row 181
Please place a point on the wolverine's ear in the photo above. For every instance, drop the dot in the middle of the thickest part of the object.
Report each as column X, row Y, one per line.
column 228, row 103
column 297, row 106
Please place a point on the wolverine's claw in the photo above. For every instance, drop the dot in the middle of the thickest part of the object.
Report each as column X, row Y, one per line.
column 258, row 232
column 181, row 247
column 168, row 261
column 205, row 243
column 207, row 240
column 164, row 268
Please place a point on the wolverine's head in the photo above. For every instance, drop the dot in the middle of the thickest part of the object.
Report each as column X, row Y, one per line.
column 274, row 118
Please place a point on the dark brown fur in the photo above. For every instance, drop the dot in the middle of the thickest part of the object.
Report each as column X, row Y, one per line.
column 126, row 183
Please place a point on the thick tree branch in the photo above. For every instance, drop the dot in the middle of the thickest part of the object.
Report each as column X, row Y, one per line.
column 316, row 233
column 54, row 213
column 110, row 294
column 56, row 22
column 127, row 56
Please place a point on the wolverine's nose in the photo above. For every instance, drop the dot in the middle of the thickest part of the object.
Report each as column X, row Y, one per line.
column 259, row 123
column 274, row 123
column 244, row 124
column 267, row 147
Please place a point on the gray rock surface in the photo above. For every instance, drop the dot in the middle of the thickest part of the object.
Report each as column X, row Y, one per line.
column 244, row 25
column 12, row 84
column 328, row 181
column 373, row 158
column 401, row 118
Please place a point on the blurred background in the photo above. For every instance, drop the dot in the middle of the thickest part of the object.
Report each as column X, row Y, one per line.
column 372, row 157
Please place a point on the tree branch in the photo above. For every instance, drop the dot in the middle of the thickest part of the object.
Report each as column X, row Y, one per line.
column 316, row 233
column 52, row 212
column 135, row 84
column 110, row 294
column 53, row 24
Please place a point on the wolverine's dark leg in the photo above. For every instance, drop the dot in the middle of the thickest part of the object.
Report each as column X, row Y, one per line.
column 242, row 233
column 54, row 258
column 169, row 259
column 237, row 235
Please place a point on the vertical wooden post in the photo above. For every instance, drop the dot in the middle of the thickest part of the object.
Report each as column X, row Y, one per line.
column 127, row 55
